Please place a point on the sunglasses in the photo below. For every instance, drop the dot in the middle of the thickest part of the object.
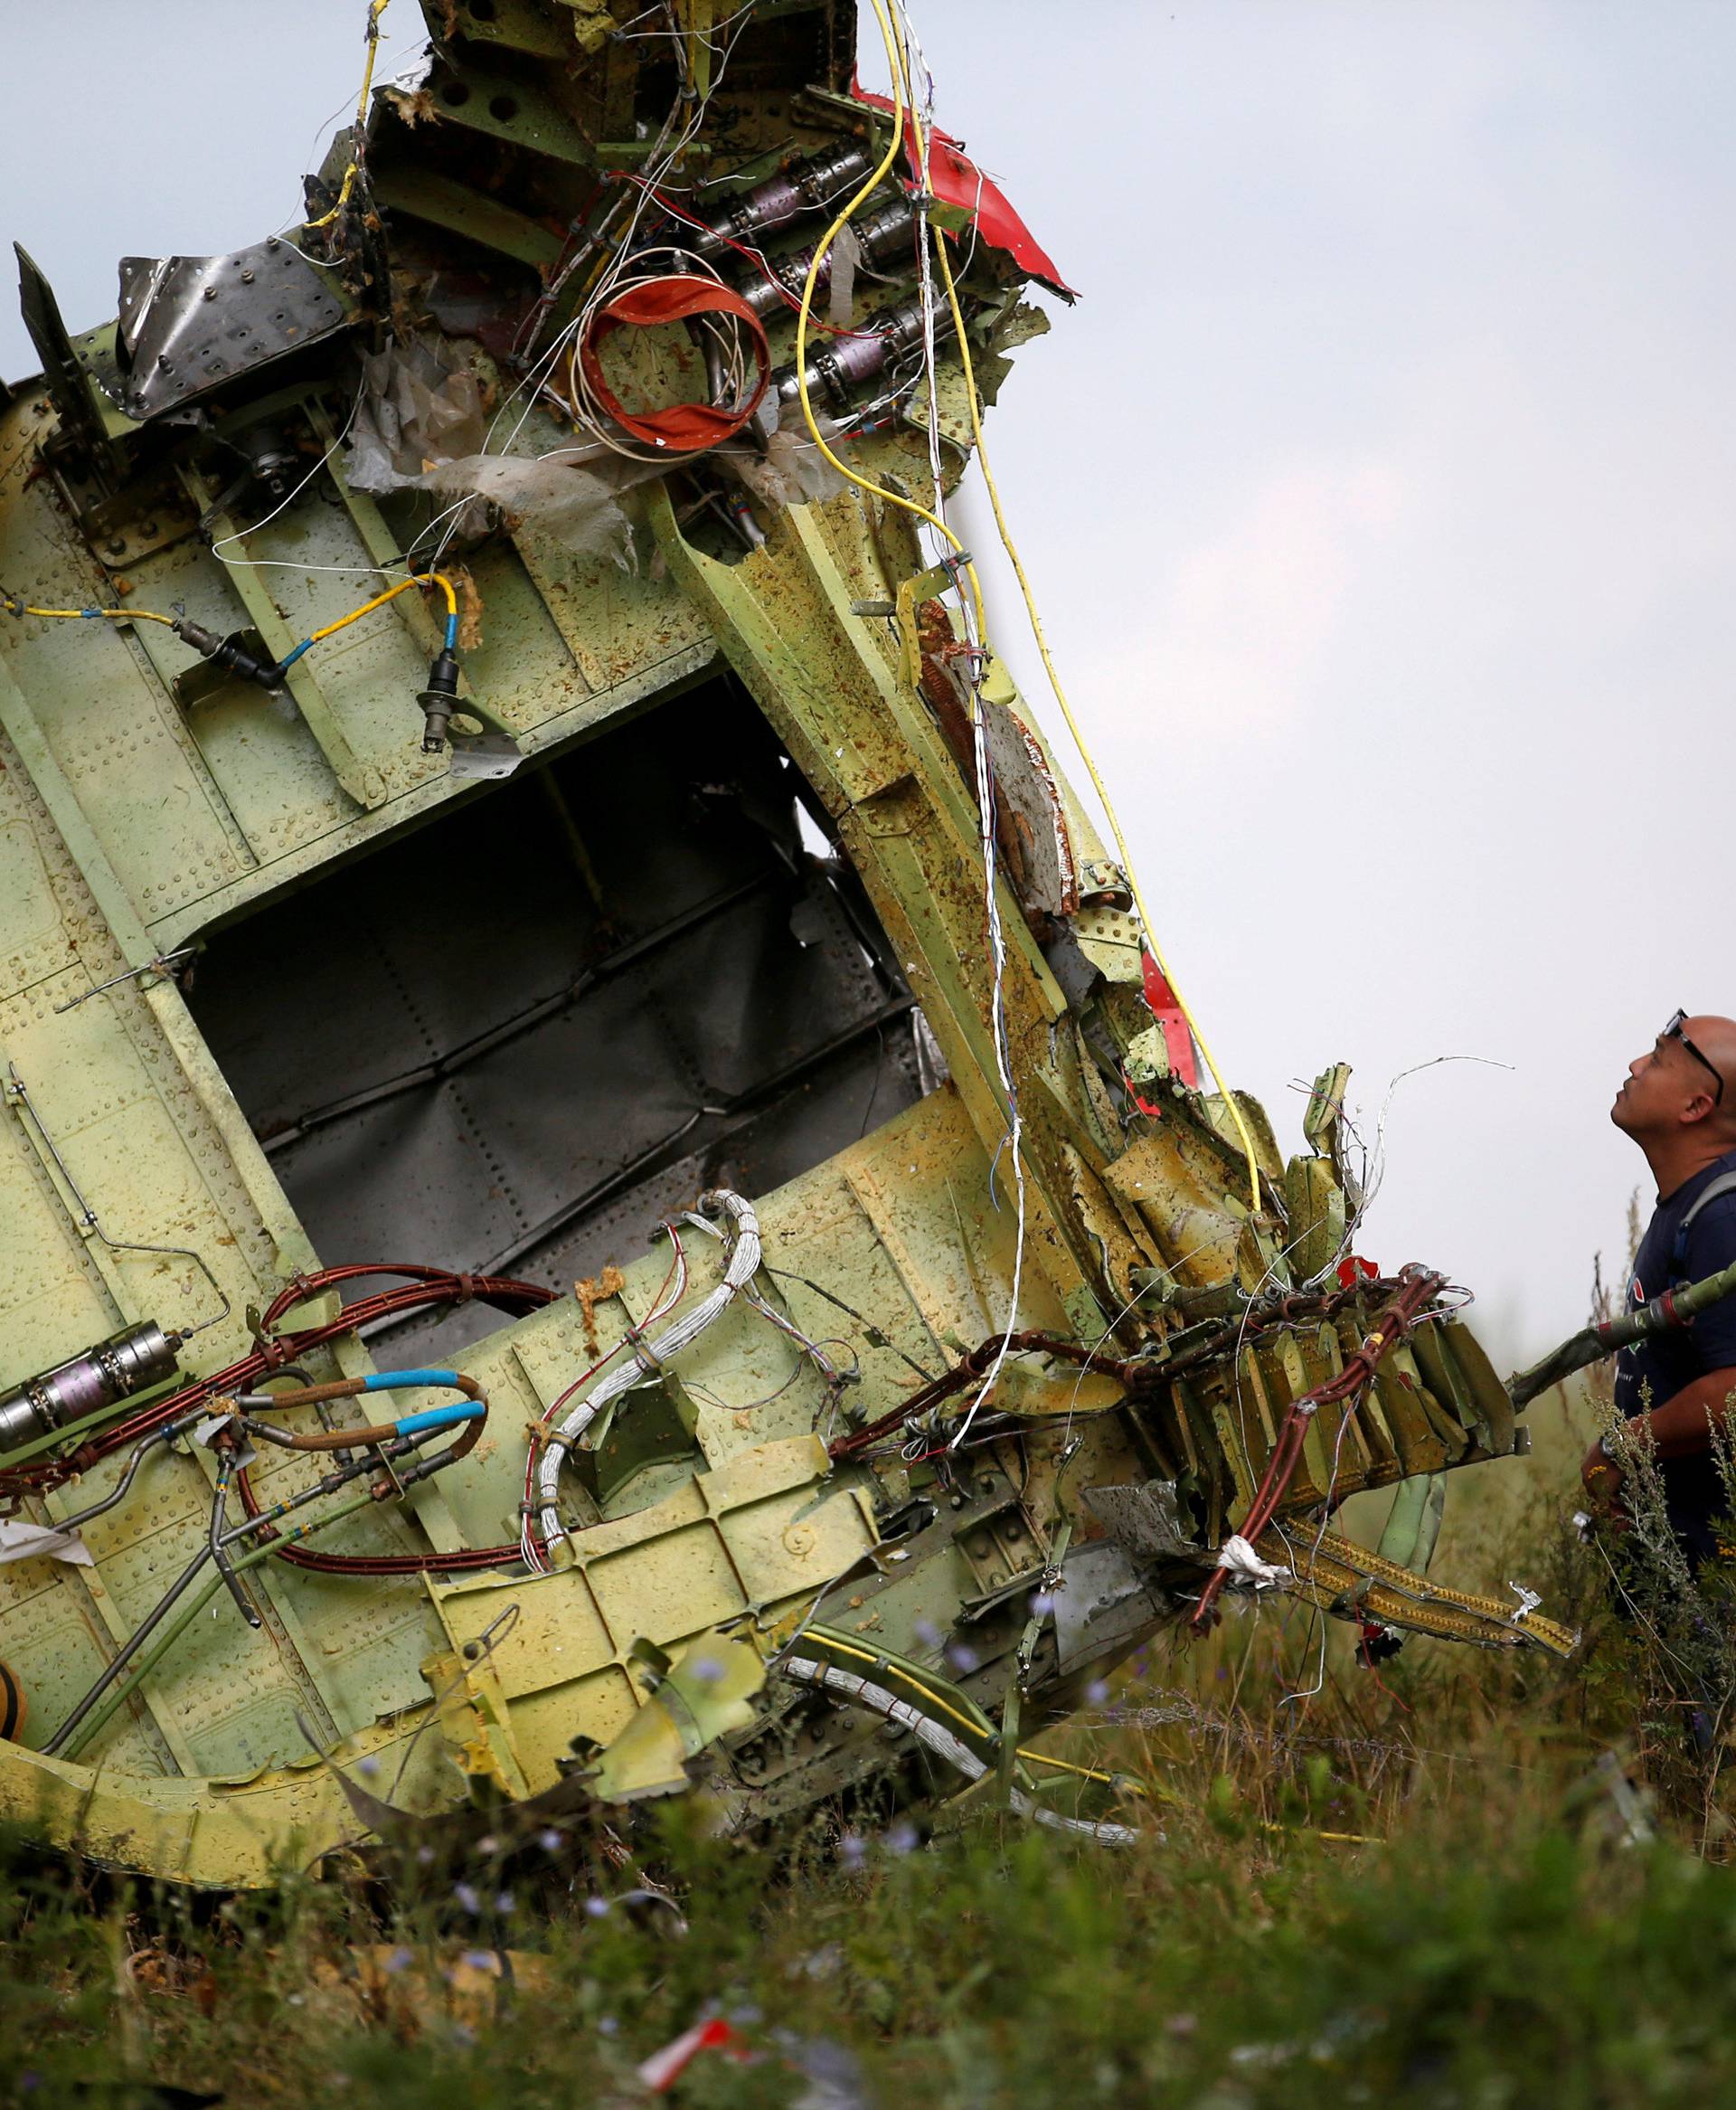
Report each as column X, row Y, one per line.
column 1672, row 1031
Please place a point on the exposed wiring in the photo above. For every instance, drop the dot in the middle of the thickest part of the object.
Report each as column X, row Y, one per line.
column 358, row 150
column 1146, row 924
column 438, row 579
column 13, row 606
column 898, row 65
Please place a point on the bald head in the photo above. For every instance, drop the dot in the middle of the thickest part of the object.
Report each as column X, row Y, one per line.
column 1679, row 1101
column 1716, row 1039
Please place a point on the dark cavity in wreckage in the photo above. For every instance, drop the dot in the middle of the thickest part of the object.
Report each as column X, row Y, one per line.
column 497, row 764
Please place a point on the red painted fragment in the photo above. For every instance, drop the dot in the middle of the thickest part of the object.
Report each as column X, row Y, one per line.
column 1353, row 1270
column 1178, row 1040
column 956, row 180
column 661, row 2071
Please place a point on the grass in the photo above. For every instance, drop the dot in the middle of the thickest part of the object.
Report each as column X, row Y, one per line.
column 1540, row 1918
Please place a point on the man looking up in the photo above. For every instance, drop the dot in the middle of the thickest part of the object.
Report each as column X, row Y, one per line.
column 1679, row 1106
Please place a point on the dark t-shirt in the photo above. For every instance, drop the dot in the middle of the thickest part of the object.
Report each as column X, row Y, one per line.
column 1652, row 1371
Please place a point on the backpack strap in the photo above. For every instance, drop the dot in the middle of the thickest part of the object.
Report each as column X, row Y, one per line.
column 1725, row 1183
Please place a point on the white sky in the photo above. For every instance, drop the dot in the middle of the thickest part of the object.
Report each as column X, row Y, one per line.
column 1378, row 495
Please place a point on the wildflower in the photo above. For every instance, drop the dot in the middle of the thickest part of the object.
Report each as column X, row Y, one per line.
column 1043, row 1604
column 551, row 1840
column 851, row 1850
column 1097, row 1692
column 400, row 1959
column 488, row 1844
column 478, row 1959
column 963, row 1659
column 367, row 1767
column 708, row 1669
column 900, row 1838
column 467, row 1896
column 606, row 2025
column 503, row 1902
column 596, row 1907
column 928, row 1633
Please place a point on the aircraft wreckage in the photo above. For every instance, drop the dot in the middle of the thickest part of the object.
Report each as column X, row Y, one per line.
column 503, row 784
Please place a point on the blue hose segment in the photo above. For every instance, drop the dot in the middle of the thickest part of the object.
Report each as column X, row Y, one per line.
column 440, row 1417
column 290, row 659
column 452, row 633
column 408, row 1380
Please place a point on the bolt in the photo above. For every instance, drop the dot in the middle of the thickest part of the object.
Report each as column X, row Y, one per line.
column 164, row 362
column 246, row 278
column 210, row 293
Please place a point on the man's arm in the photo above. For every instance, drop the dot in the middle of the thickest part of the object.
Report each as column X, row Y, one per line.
column 1681, row 1428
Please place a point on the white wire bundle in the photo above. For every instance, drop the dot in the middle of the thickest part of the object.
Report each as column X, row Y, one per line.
column 930, row 1734
column 649, row 1357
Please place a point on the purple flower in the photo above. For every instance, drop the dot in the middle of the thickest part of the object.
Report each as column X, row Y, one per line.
column 551, row 1840
column 1097, row 1692
column 467, row 1895
column 900, row 1838
column 478, row 1959
column 597, row 1907
column 401, row 1959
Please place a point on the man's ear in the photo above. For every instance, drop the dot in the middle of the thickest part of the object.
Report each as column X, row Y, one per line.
column 1701, row 1107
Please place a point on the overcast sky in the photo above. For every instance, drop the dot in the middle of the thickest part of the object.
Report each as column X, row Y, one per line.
column 1378, row 494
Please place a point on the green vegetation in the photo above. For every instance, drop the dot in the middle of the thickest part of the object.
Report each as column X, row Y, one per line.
column 1543, row 1915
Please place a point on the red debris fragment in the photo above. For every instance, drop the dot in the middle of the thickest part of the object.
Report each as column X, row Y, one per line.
column 956, row 180
column 1178, row 1041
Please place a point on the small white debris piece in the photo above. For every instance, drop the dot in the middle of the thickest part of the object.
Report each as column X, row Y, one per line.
column 1528, row 1602
column 1243, row 1564
column 21, row 1541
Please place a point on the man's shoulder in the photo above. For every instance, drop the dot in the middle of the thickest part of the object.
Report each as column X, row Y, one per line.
column 1709, row 1233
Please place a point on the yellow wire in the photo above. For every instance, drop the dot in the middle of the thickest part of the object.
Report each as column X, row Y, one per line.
column 391, row 593
column 898, row 63
column 1335, row 1838
column 869, row 183
column 375, row 10
column 120, row 615
column 1007, row 543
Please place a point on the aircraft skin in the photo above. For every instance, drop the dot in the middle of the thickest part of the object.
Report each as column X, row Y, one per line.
column 629, row 931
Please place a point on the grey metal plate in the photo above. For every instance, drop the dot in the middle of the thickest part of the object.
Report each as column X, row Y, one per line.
column 191, row 324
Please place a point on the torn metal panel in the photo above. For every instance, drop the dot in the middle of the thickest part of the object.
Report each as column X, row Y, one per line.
column 191, row 325
column 652, row 1355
